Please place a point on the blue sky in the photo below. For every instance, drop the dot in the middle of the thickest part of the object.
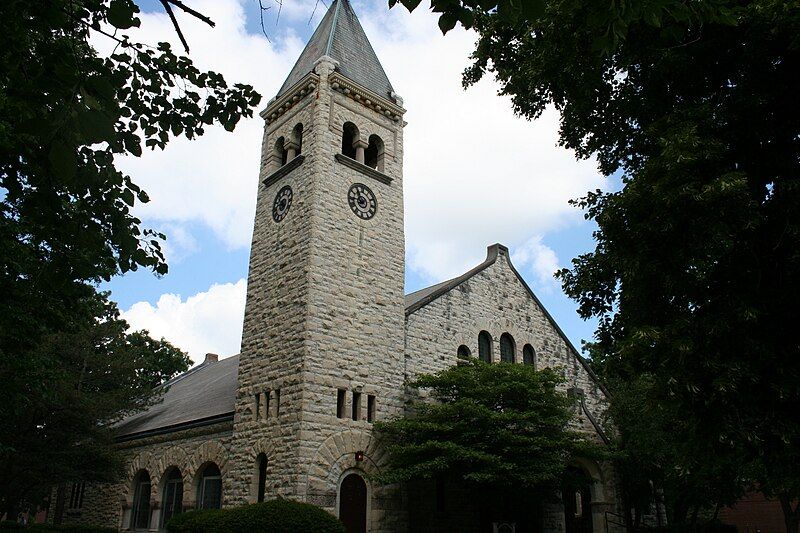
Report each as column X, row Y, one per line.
column 474, row 173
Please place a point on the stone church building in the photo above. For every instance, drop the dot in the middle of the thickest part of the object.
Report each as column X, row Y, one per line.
column 329, row 337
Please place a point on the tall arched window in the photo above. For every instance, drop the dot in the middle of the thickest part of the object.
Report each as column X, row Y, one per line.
column 485, row 347
column 507, row 348
column 209, row 490
column 261, row 465
column 173, row 496
column 140, row 519
column 349, row 136
column 528, row 355
column 463, row 352
column 373, row 157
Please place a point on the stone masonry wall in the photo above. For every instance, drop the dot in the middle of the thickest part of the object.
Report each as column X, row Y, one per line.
column 496, row 300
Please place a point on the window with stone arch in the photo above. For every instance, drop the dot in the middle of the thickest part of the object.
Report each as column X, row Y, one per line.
column 373, row 157
column 261, row 473
column 172, row 498
column 209, row 487
column 485, row 347
column 528, row 355
column 507, row 348
column 463, row 352
column 140, row 517
column 281, row 154
column 350, row 135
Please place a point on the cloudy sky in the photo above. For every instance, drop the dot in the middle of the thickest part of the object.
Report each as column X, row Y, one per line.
column 474, row 173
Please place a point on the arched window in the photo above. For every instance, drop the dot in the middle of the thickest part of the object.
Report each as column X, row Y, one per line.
column 261, row 465
column 485, row 347
column 349, row 136
column 173, row 496
column 209, row 491
column 507, row 348
column 280, row 150
column 140, row 518
column 528, row 355
column 463, row 352
column 297, row 137
column 373, row 157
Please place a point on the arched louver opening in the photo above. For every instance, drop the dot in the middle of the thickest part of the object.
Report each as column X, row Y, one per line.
column 528, row 355
column 297, row 139
column 507, row 348
column 349, row 137
column 280, row 150
column 373, row 157
column 485, row 347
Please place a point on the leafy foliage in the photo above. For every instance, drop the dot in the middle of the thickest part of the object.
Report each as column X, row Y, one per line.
column 500, row 425
column 695, row 274
column 276, row 516
column 67, row 364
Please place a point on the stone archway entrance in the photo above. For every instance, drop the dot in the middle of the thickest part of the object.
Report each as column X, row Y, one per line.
column 353, row 504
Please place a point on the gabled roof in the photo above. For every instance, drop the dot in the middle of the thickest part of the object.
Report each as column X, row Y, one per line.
column 341, row 37
column 206, row 393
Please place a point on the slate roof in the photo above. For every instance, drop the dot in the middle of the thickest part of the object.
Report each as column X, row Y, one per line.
column 341, row 37
column 207, row 392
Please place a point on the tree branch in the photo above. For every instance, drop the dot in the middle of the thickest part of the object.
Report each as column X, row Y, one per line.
column 194, row 13
column 168, row 8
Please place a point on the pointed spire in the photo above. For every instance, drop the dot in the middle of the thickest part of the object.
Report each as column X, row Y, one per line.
column 341, row 37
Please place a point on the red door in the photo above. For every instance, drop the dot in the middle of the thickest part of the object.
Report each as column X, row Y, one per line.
column 353, row 504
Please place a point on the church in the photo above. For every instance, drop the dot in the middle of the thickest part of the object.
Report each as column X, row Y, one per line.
column 330, row 338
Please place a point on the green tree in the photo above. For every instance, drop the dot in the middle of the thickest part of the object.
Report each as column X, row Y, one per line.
column 695, row 273
column 67, row 367
column 501, row 430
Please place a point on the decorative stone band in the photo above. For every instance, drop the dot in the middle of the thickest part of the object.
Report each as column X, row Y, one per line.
column 300, row 90
column 360, row 167
column 284, row 170
column 365, row 97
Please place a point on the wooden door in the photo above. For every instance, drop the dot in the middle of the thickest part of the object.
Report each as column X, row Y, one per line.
column 353, row 504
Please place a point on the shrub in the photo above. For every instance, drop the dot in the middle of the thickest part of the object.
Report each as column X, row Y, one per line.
column 69, row 528
column 276, row 516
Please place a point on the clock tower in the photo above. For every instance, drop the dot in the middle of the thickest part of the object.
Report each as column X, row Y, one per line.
column 322, row 353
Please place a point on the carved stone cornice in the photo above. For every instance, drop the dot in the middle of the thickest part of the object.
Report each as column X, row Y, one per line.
column 365, row 97
column 300, row 90
column 364, row 169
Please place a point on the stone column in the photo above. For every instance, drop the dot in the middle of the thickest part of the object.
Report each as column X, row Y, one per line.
column 360, row 146
column 291, row 148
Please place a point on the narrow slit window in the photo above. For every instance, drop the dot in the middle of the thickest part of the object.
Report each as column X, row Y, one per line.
column 341, row 398
column 356, row 406
column 266, row 403
column 370, row 408
column 257, row 412
column 277, row 402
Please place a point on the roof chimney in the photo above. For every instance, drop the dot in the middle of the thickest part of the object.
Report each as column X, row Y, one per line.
column 211, row 358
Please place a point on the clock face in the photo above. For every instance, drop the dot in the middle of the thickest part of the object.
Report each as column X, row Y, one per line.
column 283, row 201
column 362, row 201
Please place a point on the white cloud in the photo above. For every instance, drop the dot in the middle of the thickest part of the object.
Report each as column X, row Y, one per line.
column 540, row 259
column 474, row 173
column 209, row 321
